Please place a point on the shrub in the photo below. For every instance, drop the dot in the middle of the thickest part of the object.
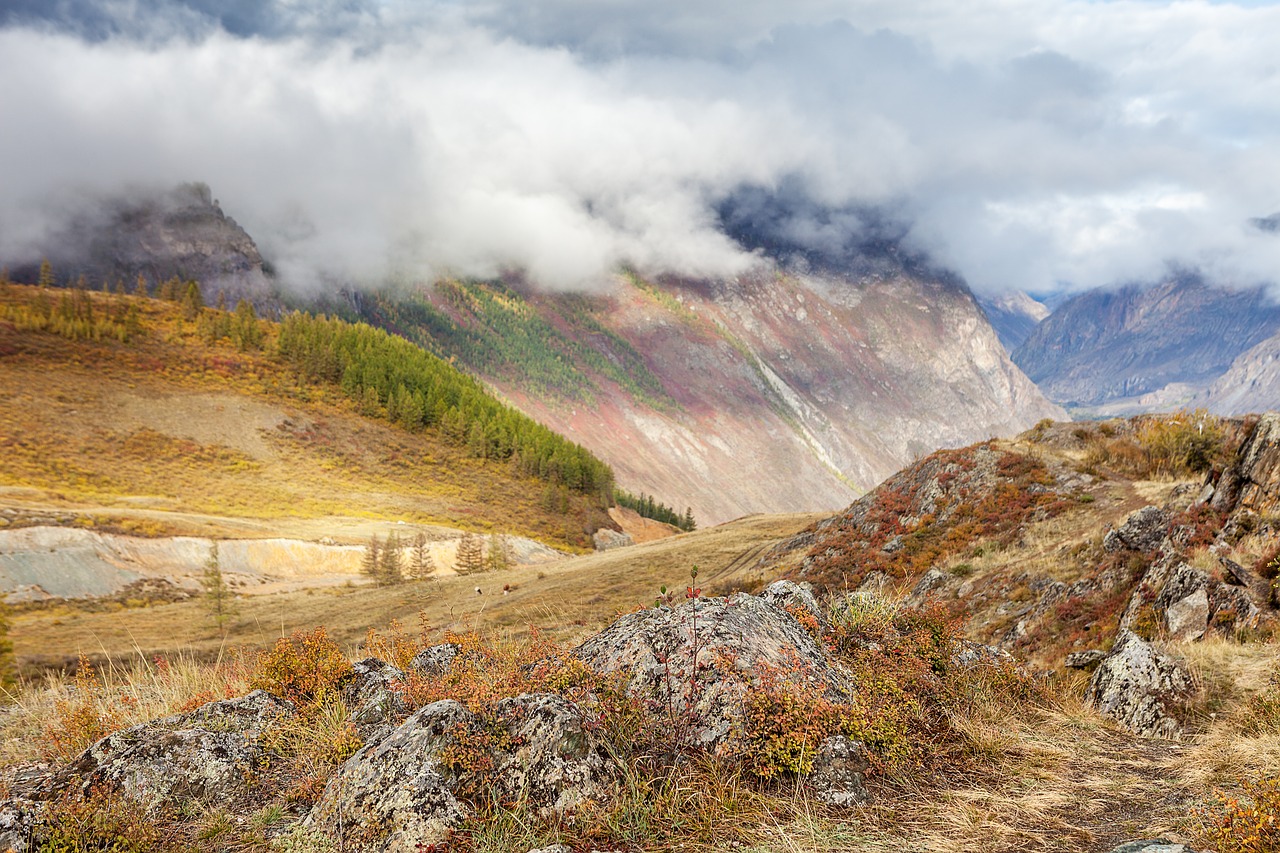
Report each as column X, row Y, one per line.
column 1245, row 824
column 301, row 667
column 83, row 717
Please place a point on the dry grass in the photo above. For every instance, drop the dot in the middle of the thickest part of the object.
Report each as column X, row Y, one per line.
column 190, row 430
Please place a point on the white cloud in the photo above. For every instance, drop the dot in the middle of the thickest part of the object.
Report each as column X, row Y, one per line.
column 1034, row 144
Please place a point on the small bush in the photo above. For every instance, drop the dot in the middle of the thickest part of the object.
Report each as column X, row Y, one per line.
column 1249, row 823
column 83, row 717
column 301, row 667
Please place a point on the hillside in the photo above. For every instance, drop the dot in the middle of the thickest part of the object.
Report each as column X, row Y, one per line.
column 1014, row 316
column 120, row 414
column 1044, row 546
column 1140, row 348
column 771, row 392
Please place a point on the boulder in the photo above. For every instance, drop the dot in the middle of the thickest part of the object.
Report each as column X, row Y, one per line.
column 207, row 754
column 251, row 714
column 1184, row 600
column 793, row 596
column 371, row 696
column 1085, row 660
column 154, row 765
column 435, row 660
column 394, row 795
column 694, row 661
column 18, row 819
column 838, row 770
column 399, row 793
column 1143, row 530
column 1140, row 687
column 558, row 763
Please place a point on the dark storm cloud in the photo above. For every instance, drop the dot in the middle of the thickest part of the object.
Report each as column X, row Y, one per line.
column 1033, row 145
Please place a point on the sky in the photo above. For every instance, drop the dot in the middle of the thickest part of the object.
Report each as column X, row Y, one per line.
column 1038, row 145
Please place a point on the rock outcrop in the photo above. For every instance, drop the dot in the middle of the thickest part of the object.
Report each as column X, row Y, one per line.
column 1141, row 688
column 696, row 660
column 1253, row 481
column 1144, row 530
column 399, row 794
column 206, row 755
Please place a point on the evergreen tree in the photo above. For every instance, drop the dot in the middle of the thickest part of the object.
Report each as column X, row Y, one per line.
column 688, row 523
column 470, row 558
column 391, row 564
column 46, row 274
column 192, row 301
column 499, row 553
column 421, row 564
column 370, row 563
column 140, row 286
column 218, row 597
column 245, row 331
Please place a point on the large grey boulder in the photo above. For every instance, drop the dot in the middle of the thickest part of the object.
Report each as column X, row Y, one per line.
column 557, row 763
column 695, row 661
column 394, row 794
column 208, row 754
column 1184, row 600
column 1253, row 482
column 400, row 792
column 1143, row 530
column 1155, row 845
column 435, row 660
column 1141, row 688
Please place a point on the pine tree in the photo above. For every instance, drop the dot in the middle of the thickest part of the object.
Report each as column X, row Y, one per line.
column 470, row 558
column 688, row 523
column 499, row 553
column 46, row 274
column 218, row 597
column 370, row 563
column 421, row 564
column 140, row 287
column 391, row 565
column 192, row 301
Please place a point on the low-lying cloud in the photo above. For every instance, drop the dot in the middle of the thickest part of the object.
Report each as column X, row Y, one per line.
column 1039, row 145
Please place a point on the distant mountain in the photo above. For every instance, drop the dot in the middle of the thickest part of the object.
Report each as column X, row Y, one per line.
column 774, row 391
column 1137, row 348
column 158, row 235
column 1014, row 316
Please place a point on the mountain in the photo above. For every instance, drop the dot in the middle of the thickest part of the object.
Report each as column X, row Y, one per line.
column 1110, row 348
column 158, row 235
column 1014, row 316
column 771, row 392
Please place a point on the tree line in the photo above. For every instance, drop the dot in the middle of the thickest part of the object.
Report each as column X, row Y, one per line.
column 393, row 378
column 648, row 507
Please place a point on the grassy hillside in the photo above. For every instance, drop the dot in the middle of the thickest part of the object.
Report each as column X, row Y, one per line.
column 137, row 413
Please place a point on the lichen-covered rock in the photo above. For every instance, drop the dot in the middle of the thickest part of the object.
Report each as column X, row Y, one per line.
column 398, row 793
column 1085, row 660
column 435, row 660
column 18, row 819
column 1144, row 530
column 1184, row 600
column 838, row 770
column 696, row 660
column 969, row 654
column 930, row 582
column 153, row 765
column 558, row 763
column 793, row 596
column 1253, row 482
column 394, row 795
column 251, row 714
column 1140, row 687
column 371, row 696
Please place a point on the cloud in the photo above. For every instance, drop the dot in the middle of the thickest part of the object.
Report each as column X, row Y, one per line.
column 1038, row 145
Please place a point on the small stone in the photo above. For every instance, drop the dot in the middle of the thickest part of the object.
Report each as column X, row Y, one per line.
column 838, row 770
column 1086, row 660
column 435, row 660
column 1144, row 530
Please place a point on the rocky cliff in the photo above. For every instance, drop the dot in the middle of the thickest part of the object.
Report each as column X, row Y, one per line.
column 181, row 232
column 1014, row 316
column 775, row 391
column 1115, row 346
